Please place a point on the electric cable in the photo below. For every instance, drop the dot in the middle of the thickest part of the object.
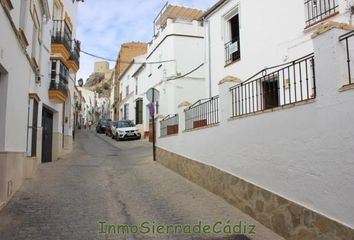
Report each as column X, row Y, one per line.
column 188, row 73
column 111, row 60
column 140, row 63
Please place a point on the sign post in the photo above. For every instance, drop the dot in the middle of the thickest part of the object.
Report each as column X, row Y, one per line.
column 153, row 96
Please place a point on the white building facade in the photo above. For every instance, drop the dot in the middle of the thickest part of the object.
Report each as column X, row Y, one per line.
column 174, row 65
column 130, row 106
column 239, row 45
column 275, row 138
column 89, row 98
column 39, row 60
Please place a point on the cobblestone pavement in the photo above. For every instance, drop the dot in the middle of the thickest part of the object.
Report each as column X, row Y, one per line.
column 115, row 182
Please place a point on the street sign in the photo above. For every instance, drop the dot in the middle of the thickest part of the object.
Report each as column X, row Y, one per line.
column 152, row 110
column 153, row 95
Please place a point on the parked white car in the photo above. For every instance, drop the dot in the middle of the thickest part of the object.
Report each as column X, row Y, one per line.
column 125, row 129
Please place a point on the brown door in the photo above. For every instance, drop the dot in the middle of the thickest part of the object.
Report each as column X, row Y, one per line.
column 47, row 138
column 270, row 94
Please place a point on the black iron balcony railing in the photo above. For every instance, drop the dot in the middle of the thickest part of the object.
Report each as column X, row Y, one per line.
column 232, row 51
column 63, row 77
column 318, row 10
column 203, row 113
column 75, row 52
column 58, row 86
column 348, row 38
column 62, row 34
column 289, row 83
column 169, row 125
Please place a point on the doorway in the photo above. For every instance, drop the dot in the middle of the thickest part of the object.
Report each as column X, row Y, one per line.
column 270, row 94
column 47, row 138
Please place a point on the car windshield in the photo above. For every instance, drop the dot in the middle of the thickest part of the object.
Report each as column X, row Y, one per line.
column 104, row 121
column 124, row 124
column 115, row 124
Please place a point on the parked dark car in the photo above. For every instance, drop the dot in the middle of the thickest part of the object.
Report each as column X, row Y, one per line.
column 102, row 125
column 109, row 128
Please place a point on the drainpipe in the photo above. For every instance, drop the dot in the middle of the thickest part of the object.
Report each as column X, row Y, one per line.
column 209, row 56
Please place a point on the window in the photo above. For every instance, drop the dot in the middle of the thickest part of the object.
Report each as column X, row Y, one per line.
column 32, row 127
column 3, row 103
column 232, row 39
column 57, row 11
column 139, row 112
column 127, row 91
column 126, row 112
column 34, row 42
column 63, row 73
column 318, row 10
column 53, row 72
column 67, row 36
column 271, row 92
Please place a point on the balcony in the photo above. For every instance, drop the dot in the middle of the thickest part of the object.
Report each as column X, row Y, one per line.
column 203, row 113
column 319, row 10
column 61, row 38
column 74, row 60
column 232, row 51
column 57, row 91
column 277, row 86
column 348, row 39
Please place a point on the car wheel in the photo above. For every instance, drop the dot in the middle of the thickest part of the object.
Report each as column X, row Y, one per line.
column 117, row 138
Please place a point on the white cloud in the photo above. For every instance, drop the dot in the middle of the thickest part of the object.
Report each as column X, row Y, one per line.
column 105, row 24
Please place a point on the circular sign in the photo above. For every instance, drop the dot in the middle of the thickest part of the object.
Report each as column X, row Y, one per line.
column 152, row 95
column 152, row 109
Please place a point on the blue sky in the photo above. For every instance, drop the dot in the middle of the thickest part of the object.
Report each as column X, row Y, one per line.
column 103, row 25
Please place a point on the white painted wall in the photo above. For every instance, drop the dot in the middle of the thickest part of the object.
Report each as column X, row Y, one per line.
column 304, row 153
column 17, row 84
column 89, row 97
column 3, row 103
column 182, row 42
column 127, row 79
column 271, row 32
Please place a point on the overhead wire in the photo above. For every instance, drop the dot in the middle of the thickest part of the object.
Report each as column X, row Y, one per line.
column 140, row 63
column 188, row 73
column 132, row 62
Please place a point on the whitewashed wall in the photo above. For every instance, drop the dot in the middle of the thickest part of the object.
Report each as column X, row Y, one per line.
column 271, row 32
column 14, row 133
column 128, row 80
column 182, row 42
column 304, row 153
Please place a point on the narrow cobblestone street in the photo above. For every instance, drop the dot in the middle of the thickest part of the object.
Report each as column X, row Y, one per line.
column 115, row 182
